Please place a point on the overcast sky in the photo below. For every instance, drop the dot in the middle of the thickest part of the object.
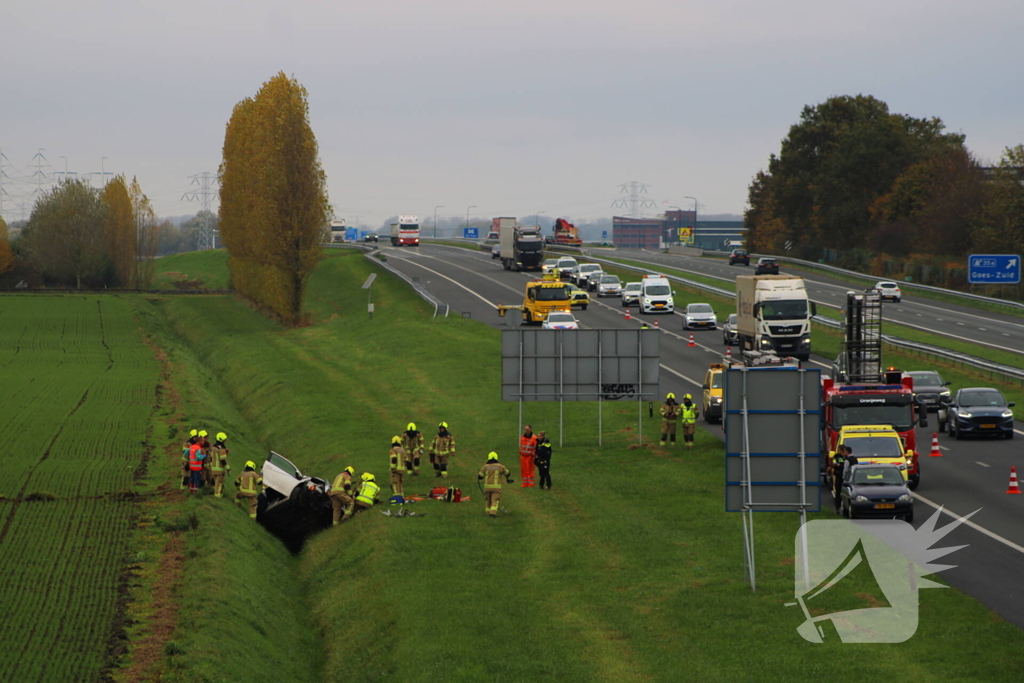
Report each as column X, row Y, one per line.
column 516, row 107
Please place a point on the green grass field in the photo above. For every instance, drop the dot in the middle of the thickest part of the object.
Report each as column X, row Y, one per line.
column 628, row 570
column 78, row 395
column 192, row 270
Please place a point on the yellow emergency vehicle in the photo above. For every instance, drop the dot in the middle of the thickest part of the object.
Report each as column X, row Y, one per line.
column 874, row 444
column 542, row 296
column 714, row 382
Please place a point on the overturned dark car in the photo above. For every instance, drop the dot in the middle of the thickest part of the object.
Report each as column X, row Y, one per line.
column 292, row 506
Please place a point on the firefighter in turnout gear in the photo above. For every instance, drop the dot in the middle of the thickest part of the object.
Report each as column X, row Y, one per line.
column 186, row 475
column 341, row 496
column 366, row 498
column 219, row 465
column 397, row 463
column 690, row 411
column 412, row 442
column 248, row 483
column 204, row 441
column 442, row 448
column 527, row 449
column 492, row 473
column 670, row 412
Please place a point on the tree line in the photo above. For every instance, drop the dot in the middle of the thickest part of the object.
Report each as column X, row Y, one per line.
column 81, row 236
column 274, row 209
column 853, row 176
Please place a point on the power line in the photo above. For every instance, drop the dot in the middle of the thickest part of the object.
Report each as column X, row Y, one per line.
column 634, row 202
column 205, row 182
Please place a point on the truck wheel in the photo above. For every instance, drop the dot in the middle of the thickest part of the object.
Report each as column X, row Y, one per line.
column 914, row 481
column 803, row 358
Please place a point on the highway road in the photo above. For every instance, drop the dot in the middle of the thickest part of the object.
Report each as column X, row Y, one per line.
column 970, row 475
column 997, row 330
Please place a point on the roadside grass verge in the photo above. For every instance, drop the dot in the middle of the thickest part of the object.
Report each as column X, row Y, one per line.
column 192, row 270
column 629, row 569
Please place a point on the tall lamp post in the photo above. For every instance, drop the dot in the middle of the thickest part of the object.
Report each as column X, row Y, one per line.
column 680, row 223
column 693, row 235
column 467, row 213
column 536, row 217
column 439, row 206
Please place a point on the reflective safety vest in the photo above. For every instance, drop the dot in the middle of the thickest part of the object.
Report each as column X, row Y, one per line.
column 342, row 482
column 689, row 413
column 367, row 493
column 248, row 481
column 527, row 445
column 195, row 457
column 443, row 445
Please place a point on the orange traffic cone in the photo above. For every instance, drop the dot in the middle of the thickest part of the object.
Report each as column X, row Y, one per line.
column 1013, row 481
column 627, row 315
column 935, row 446
column 656, row 325
column 692, row 343
column 728, row 354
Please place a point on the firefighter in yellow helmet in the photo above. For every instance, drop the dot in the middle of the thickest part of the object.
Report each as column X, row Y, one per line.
column 204, row 441
column 442, row 448
column 366, row 497
column 689, row 411
column 491, row 474
column 397, row 459
column 412, row 442
column 248, row 483
column 219, row 465
column 341, row 495
column 193, row 437
column 670, row 412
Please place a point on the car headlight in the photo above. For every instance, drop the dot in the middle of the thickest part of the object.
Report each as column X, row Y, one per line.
column 905, row 498
column 718, row 399
column 902, row 466
column 962, row 413
column 944, row 393
column 1007, row 413
column 860, row 499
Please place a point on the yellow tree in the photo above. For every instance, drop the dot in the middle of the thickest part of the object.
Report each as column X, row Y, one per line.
column 145, row 226
column 119, row 231
column 274, row 200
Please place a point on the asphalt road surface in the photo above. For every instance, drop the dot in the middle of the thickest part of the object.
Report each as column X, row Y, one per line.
column 1004, row 332
column 970, row 475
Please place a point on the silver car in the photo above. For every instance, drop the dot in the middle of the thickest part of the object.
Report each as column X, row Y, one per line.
column 609, row 285
column 699, row 316
column 631, row 294
column 730, row 333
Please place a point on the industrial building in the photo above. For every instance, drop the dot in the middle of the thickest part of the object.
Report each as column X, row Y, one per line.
column 675, row 228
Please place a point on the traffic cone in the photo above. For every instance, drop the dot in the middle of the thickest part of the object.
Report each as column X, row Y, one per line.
column 935, row 446
column 692, row 343
column 1013, row 481
column 728, row 354
column 656, row 325
column 627, row 315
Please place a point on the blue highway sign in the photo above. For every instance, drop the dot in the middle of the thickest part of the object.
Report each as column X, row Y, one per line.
column 993, row 269
column 471, row 233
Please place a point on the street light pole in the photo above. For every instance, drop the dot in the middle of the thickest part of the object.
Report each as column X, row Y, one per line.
column 680, row 222
column 467, row 213
column 536, row 218
column 440, row 206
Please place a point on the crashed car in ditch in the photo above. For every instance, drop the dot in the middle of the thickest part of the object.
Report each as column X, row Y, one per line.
column 292, row 506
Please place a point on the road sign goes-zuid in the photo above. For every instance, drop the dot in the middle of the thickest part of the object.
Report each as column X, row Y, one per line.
column 993, row 269
column 471, row 233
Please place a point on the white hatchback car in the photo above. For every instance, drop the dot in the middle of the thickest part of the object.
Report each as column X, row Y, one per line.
column 609, row 285
column 889, row 291
column 699, row 316
column 559, row 320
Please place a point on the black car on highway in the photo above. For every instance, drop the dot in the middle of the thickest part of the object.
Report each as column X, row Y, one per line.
column 766, row 266
column 876, row 492
column 928, row 385
column 979, row 410
column 739, row 256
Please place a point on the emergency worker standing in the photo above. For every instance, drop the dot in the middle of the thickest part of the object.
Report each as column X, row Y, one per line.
column 527, row 449
column 397, row 462
column 441, row 448
column 689, row 412
column 412, row 442
column 839, row 460
column 543, row 460
column 196, row 455
column 186, row 473
column 341, row 495
column 492, row 473
column 205, row 443
column 670, row 412
column 248, row 487
column 366, row 498
column 219, row 465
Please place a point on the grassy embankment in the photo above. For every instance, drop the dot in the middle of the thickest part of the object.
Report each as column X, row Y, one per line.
column 192, row 270
column 627, row 570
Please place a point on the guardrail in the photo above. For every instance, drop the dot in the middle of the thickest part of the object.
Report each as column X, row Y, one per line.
column 415, row 284
column 863, row 276
column 1006, row 372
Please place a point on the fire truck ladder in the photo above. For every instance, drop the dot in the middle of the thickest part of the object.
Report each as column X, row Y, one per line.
column 862, row 345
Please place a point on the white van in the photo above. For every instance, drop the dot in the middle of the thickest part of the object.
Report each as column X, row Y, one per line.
column 566, row 267
column 656, row 295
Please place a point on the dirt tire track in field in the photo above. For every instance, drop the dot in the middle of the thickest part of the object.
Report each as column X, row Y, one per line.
column 103, row 335
column 46, row 454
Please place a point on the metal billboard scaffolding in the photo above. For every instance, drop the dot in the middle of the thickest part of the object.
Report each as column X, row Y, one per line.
column 772, row 447
column 580, row 365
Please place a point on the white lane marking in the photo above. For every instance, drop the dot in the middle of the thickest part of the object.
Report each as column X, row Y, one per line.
column 976, row 527
column 457, row 284
column 679, row 374
column 943, row 448
column 982, row 464
column 960, row 324
column 983, row 329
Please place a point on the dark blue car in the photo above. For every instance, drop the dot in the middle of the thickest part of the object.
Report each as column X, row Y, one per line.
column 876, row 492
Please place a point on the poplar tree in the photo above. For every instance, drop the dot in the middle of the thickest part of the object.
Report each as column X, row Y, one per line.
column 120, row 236
column 273, row 198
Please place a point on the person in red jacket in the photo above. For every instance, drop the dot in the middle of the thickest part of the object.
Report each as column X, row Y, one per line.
column 527, row 449
column 196, row 455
